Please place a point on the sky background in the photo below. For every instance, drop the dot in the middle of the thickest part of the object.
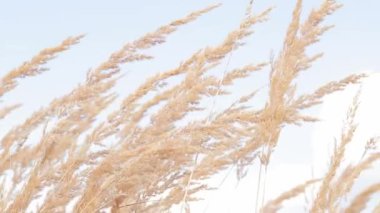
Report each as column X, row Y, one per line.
column 29, row 26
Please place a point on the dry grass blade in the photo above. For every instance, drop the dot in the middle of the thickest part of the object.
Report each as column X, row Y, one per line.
column 315, row 98
column 274, row 205
column 359, row 202
column 377, row 208
column 345, row 182
column 8, row 109
column 33, row 67
column 322, row 200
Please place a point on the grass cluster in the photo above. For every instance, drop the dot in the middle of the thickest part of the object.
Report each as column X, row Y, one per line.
column 121, row 164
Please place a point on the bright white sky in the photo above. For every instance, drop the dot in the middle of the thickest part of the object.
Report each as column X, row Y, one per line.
column 352, row 46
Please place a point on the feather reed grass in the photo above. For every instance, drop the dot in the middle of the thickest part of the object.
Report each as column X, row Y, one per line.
column 125, row 166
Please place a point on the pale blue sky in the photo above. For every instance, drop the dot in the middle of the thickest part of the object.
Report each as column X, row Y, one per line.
column 29, row 26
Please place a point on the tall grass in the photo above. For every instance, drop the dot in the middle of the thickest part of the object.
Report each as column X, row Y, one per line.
column 123, row 165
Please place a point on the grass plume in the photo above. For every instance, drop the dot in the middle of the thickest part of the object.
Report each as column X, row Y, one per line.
column 121, row 164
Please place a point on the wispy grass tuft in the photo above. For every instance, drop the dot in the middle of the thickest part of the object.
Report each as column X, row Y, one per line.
column 119, row 164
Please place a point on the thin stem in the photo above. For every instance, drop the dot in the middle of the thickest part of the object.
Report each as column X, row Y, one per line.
column 264, row 185
column 188, row 183
column 258, row 189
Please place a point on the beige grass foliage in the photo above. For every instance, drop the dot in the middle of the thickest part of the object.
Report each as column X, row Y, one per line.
column 153, row 167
